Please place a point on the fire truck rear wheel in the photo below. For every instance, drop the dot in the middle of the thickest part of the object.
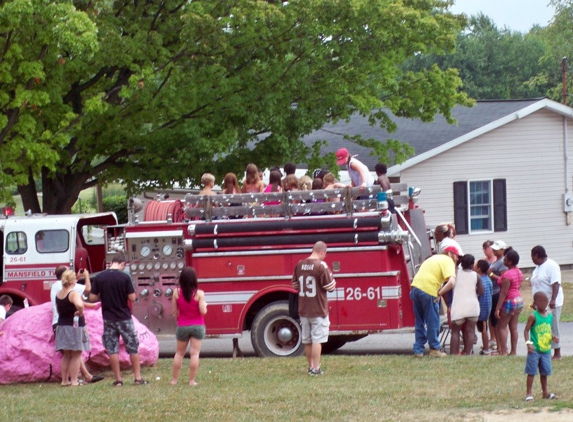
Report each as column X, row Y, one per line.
column 274, row 333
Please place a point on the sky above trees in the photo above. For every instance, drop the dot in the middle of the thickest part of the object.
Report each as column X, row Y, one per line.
column 517, row 15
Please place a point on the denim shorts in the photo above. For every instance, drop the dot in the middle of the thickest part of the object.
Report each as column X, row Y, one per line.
column 512, row 305
column 314, row 330
column 184, row 333
column 537, row 360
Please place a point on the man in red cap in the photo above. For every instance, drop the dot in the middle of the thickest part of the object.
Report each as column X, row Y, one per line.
column 359, row 174
column 427, row 286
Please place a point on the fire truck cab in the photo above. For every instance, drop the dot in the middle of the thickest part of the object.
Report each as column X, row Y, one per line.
column 244, row 248
column 33, row 245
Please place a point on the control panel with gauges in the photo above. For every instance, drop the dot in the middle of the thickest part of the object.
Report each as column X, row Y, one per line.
column 155, row 262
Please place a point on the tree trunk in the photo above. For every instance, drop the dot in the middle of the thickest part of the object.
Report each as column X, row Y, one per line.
column 30, row 195
column 58, row 194
column 61, row 193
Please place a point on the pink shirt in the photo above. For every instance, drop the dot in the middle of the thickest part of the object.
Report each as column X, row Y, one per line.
column 515, row 278
column 189, row 313
column 268, row 189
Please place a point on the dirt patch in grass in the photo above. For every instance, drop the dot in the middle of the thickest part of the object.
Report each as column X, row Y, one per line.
column 528, row 415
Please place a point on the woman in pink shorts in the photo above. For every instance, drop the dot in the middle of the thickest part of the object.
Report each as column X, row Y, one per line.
column 510, row 302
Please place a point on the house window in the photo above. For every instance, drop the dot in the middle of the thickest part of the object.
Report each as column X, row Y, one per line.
column 480, row 206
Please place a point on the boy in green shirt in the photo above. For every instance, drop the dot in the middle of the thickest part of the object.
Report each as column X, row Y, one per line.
column 539, row 345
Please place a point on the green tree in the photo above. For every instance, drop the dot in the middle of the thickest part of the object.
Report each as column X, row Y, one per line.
column 558, row 37
column 174, row 88
column 493, row 63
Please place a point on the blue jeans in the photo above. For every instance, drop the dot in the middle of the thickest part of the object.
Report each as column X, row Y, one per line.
column 427, row 316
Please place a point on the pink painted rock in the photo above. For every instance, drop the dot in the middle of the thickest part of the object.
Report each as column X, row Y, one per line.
column 27, row 348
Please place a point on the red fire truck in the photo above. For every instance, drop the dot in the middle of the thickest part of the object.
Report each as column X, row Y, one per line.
column 33, row 245
column 244, row 248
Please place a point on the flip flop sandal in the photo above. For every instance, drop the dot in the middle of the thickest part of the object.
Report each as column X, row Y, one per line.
column 96, row 378
column 118, row 384
column 529, row 398
column 551, row 396
column 140, row 382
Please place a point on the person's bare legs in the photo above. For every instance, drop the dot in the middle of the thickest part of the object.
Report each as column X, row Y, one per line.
column 529, row 385
column 65, row 366
column 84, row 371
column 114, row 361
column 136, row 366
column 308, row 354
column 485, row 336
column 556, row 353
column 455, row 339
column 74, row 368
column 194, row 363
column 316, row 349
column 178, row 360
column 513, row 331
column 502, row 332
column 469, row 337
column 543, row 379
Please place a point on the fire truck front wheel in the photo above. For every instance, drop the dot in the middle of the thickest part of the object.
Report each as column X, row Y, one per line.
column 275, row 333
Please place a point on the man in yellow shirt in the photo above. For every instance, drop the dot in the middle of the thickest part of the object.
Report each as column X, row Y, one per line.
column 426, row 288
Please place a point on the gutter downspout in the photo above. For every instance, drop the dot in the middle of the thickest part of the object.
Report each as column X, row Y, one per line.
column 567, row 198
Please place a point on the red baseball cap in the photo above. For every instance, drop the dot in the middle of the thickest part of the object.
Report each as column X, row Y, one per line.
column 341, row 156
column 452, row 249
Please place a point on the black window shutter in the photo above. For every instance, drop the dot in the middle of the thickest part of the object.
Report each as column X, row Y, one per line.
column 499, row 206
column 461, row 207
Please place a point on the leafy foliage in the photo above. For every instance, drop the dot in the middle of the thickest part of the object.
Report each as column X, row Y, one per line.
column 493, row 63
column 158, row 92
column 117, row 204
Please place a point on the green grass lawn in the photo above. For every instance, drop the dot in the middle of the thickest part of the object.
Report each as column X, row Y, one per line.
column 567, row 310
column 354, row 388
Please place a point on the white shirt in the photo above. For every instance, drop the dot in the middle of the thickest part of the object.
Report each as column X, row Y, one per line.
column 543, row 278
column 448, row 241
column 56, row 287
column 2, row 313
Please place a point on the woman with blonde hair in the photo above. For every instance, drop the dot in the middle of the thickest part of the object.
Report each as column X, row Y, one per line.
column 208, row 181
column 252, row 182
column 71, row 334
column 304, row 183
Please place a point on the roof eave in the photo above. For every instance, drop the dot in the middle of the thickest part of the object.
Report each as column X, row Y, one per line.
column 554, row 106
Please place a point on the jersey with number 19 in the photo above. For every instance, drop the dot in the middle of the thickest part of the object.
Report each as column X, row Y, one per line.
column 312, row 279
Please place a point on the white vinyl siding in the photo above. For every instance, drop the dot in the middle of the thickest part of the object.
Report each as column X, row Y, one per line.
column 529, row 154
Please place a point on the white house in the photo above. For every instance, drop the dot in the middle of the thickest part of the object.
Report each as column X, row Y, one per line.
column 503, row 172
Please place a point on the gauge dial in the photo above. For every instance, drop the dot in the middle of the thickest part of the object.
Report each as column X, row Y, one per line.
column 157, row 265
column 173, row 265
column 150, row 266
column 180, row 265
column 133, row 267
column 145, row 251
column 141, row 267
column 165, row 265
column 167, row 250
